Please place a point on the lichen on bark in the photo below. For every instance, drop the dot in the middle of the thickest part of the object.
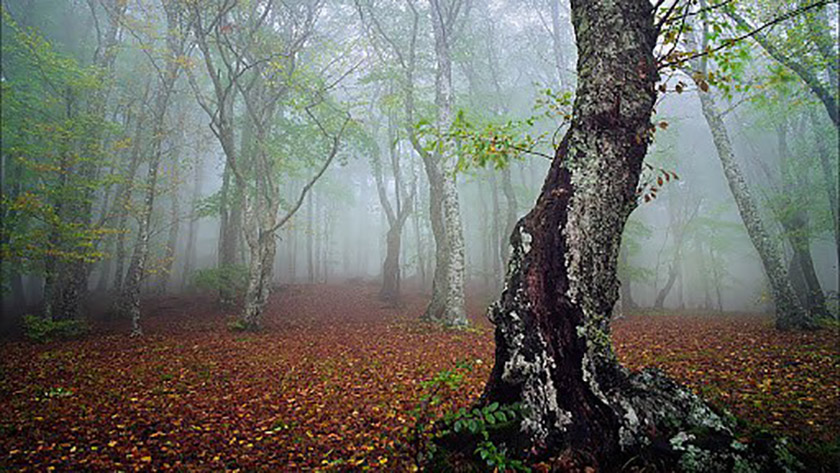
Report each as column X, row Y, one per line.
column 553, row 350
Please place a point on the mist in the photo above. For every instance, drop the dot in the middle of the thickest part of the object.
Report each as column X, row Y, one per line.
column 239, row 163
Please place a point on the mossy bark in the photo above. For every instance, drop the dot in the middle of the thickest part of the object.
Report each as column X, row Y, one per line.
column 553, row 353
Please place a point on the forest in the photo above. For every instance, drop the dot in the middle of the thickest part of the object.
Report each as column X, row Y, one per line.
column 420, row 235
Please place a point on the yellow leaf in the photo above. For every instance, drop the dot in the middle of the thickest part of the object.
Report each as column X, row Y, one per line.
column 146, row 459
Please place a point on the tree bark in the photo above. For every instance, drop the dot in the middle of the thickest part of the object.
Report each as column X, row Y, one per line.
column 192, row 227
column 447, row 304
column 789, row 312
column 130, row 297
column 553, row 350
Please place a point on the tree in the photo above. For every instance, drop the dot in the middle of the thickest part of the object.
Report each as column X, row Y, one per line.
column 553, row 352
column 178, row 24
column 447, row 303
column 53, row 147
column 789, row 311
column 396, row 214
column 254, row 54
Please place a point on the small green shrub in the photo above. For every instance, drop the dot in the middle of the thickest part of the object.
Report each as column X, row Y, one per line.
column 237, row 326
column 41, row 330
column 232, row 279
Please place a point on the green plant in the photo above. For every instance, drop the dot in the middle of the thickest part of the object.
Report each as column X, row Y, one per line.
column 237, row 326
column 41, row 330
column 231, row 278
column 58, row 392
column 434, row 389
column 497, row 459
column 480, row 422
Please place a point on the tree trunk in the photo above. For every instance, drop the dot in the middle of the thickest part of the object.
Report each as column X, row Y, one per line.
column 789, row 312
column 830, row 181
column 130, row 298
column 174, row 221
column 673, row 271
column 259, row 279
column 495, row 236
column 793, row 217
column 310, row 257
column 125, row 193
column 230, row 228
column 391, row 267
column 510, row 214
column 421, row 251
column 553, row 351
column 447, row 304
column 625, row 291
column 192, row 227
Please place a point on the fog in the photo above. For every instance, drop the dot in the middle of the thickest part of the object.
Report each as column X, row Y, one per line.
column 333, row 73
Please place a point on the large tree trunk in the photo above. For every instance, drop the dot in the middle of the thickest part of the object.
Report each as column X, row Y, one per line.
column 553, row 349
column 260, row 268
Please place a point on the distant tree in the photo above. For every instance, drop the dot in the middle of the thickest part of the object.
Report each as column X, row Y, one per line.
column 256, row 55
column 169, row 67
column 396, row 214
column 790, row 314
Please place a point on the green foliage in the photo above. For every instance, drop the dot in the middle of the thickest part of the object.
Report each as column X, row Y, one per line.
column 477, row 423
column 497, row 459
column 237, row 326
column 41, row 330
column 434, row 392
column 232, row 278
column 52, row 143
column 482, row 142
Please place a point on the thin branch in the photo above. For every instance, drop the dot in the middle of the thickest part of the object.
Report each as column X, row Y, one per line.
column 731, row 41
column 308, row 186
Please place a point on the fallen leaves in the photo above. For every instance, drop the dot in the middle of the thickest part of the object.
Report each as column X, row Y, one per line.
column 331, row 383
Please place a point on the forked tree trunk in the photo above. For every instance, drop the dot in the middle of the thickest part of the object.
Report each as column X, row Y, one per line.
column 553, row 349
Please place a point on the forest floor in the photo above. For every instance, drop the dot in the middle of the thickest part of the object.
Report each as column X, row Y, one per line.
column 333, row 381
